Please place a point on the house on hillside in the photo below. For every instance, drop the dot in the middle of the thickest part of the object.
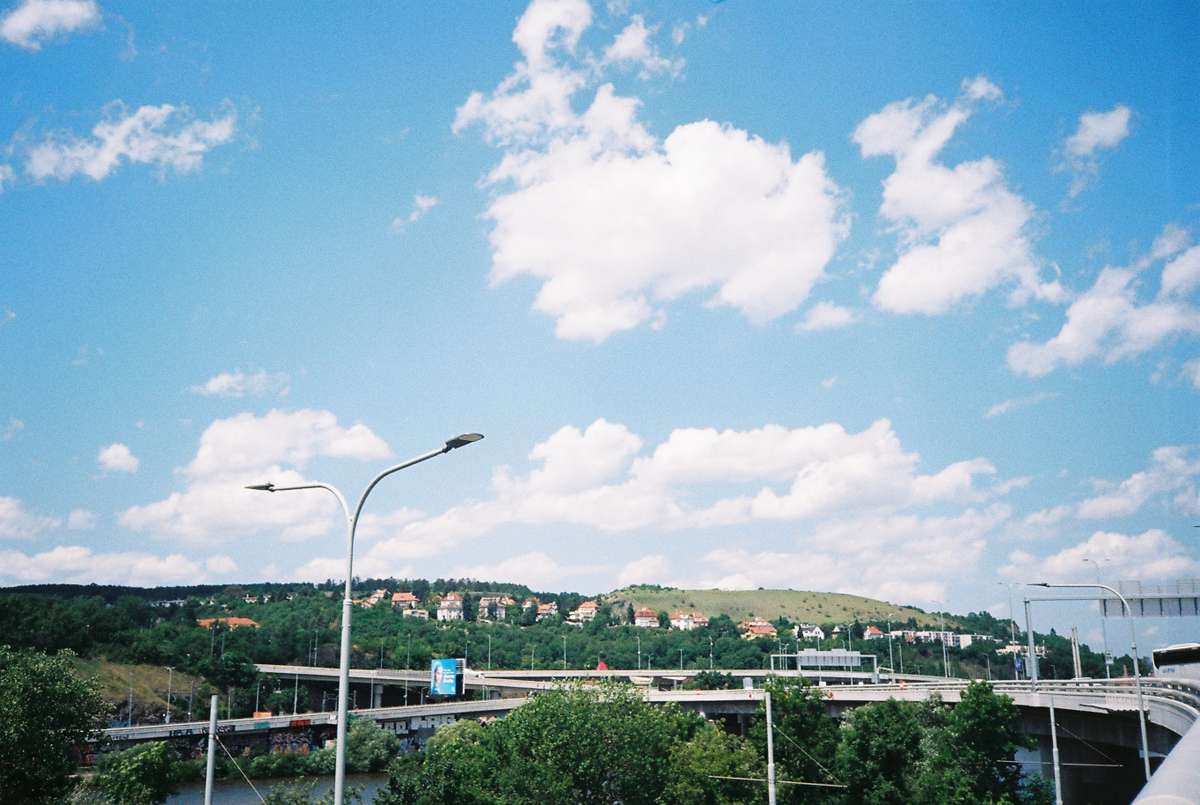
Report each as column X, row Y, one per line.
column 584, row 613
column 451, row 607
column 809, row 631
column 494, row 607
column 756, row 628
column 548, row 610
column 682, row 620
column 405, row 600
column 529, row 603
column 646, row 618
column 699, row 620
column 872, row 633
column 419, row 614
column 372, row 599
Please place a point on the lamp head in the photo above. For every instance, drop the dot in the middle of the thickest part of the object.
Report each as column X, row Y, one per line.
column 1040, row 584
column 262, row 487
column 462, row 440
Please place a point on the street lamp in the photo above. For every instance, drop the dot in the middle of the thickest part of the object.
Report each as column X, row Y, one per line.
column 462, row 440
column 1137, row 676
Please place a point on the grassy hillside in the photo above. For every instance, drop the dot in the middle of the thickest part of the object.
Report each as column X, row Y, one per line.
column 795, row 605
column 149, row 688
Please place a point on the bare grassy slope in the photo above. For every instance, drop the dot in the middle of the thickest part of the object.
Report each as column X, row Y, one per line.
column 796, row 605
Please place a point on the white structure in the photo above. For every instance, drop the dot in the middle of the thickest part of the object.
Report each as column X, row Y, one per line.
column 419, row 614
column 549, row 610
column 809, row 631
column 584, row 613
column 646, row 618
column 451, row 608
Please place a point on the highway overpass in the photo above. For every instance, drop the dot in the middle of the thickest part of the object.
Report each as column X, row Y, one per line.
column 1097, row 720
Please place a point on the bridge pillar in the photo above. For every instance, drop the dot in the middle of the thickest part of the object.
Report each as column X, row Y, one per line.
column 377, row 699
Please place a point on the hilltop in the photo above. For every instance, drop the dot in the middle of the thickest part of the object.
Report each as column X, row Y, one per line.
column 795, row 605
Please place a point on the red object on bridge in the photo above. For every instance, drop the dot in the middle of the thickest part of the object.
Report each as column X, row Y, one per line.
column 602, row 666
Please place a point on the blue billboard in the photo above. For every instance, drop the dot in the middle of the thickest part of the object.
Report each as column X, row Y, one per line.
column 443, row 677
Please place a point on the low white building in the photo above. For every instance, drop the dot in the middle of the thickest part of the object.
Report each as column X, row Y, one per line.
column 645, row 618
column 584, row 613
column 419, row 614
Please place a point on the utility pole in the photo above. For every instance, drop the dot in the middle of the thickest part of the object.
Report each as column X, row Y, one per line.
column 770, row 753
column 129, row 720
column 680, row 659
column 296, row 695
column 945, row 663
column 1058, row 800
column 212, row 749
column 564, row 639
column 170, row 679
column 639, row 642
column 710, row 653
column 191, row 696
column 891, row 662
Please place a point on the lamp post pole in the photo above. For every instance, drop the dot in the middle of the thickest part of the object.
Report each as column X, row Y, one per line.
column 1137, row 674
column 339, row 783
column 170, row 679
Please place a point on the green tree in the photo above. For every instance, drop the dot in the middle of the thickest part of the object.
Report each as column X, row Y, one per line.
column 806, row 738
column 143, row 775
column 693, row 767
column 879, row 746
column 594, row 744
column 46, row 710
column 968, row 760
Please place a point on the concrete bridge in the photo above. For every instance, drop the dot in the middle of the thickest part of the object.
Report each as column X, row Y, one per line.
column 1099, row 740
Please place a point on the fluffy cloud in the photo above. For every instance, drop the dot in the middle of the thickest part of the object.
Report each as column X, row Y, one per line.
column 603, row 478
column 421, row 205
column 243, row 384
column 615, row 223
column 827, row 316
column 76, row 564
column 17, row 523
column 1150, row 555
column 117, row 457
column 923, row 554
column 246, row 449
column 166, row 136
column 7, row 176
column 962, row 231
column 1097, row 131
column 81, row 520
column 1171, row 469
column 651, row 569
column 1108, row 320
column 534, row 569
column 36, row 21
column 633, row 47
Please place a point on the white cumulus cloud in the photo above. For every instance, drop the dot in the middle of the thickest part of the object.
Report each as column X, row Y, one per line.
column 421, row 205
column 165, row 136
column 962, row 230
column 827, row 316
column 34, row 22
column 1097, row 131
column 18, row 523
column 1151, row 555
column 614, row 223
column 247, row 449
column 77, row 564
column 651, row 569
column 117, row 457
column 1110, row 321
column 603, row 477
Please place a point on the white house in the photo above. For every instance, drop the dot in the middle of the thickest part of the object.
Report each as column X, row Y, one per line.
column 451, row 608
column 809, row 631
column 646, row 618
column 583, row 613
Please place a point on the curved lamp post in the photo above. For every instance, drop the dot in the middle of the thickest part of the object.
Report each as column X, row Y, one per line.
column 339, row 782
column 1137, row 676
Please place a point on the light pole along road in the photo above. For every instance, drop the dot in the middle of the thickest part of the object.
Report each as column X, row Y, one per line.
column 339, row 780
column 1137, row 676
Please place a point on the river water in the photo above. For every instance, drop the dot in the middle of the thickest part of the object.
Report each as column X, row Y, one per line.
column 236, row 792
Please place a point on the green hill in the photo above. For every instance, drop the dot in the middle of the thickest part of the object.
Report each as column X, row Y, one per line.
column 795, row 605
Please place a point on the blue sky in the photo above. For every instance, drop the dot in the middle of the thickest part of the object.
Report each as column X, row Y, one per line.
column 897, row 300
